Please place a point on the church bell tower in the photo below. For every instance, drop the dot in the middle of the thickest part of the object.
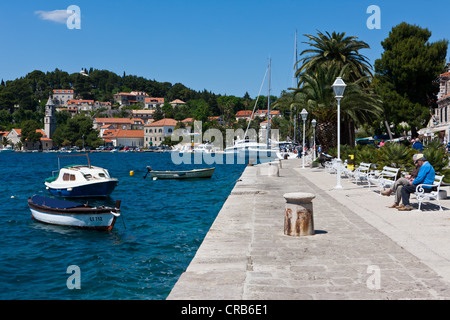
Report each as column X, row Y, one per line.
column 50, row 118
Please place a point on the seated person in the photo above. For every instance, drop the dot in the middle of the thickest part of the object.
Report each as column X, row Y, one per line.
column 426, row 175
column 404, row 181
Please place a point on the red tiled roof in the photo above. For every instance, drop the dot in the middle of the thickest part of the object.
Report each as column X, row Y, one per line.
column 80, row 101
column 157, row 100
column 244, row 113
column 113, row 120
column 178, row 101
column 118, row 133
column 19, row 132
column 163, row 122
column 444, row 97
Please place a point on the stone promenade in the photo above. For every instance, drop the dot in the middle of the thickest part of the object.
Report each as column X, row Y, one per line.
column 361, row 249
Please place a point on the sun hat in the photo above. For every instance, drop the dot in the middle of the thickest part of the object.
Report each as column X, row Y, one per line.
column 418, row 156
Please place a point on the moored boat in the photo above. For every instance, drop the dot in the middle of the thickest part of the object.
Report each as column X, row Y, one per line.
column 73, row 214
column 188, row 174
column 7, row 149
column 81, row 181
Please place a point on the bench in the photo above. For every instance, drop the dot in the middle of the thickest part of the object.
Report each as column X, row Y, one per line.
column 362, row 171
column 421, row 195
column 386, row 177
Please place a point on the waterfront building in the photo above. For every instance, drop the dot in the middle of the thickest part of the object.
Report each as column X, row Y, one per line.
column 155, row 132
column 62, row 96
column 119, row 123
column 126, row 138
column 440, row 120
column 45, row 143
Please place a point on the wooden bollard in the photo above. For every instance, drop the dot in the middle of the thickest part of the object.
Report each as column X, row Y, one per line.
column 298, row 220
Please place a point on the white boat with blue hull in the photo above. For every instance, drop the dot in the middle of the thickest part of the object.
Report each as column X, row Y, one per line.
column 81, row 181
column 7, row 149
column 73, row 214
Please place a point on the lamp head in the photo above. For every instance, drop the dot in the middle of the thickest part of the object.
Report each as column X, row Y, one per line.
column 304, row 114
column 339, row 88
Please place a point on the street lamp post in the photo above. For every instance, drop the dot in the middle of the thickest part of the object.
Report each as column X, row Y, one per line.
column 304, row 115
column 314, row 122
column 338, row 88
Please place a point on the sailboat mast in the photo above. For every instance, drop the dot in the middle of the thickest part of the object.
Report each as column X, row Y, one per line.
column 295, row 83
column 295, row 67
column 268, row 108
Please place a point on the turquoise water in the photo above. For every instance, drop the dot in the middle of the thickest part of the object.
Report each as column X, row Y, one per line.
column 162, row 225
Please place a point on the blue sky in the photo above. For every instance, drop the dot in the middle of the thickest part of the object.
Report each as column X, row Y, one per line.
column 217, row 45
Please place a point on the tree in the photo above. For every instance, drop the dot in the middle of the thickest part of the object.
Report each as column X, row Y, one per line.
column 359, row 105
column 5, row 141
column 404, row 75
column 29, row 132
column 158, row 115
column 201, row 110
column 335, row 49
column 72, row 133
column 291, row 103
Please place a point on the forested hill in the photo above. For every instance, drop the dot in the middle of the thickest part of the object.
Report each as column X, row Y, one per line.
column 99, row 85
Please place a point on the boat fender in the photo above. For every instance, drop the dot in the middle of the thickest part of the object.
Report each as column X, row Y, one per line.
column 115, row 214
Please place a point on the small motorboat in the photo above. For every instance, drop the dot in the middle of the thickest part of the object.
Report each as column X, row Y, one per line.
column 73, row 214
column 81, row 181
column 7, row 149
column 190, row 174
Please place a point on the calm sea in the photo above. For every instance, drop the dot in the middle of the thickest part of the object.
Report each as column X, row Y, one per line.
column 163, row 223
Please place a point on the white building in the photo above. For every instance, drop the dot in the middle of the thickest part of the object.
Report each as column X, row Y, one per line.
column 126, row 138
column 440, row 121
column 155, row 132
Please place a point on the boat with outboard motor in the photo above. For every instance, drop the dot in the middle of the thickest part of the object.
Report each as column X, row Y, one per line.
column 73, row 214
column 187, row 174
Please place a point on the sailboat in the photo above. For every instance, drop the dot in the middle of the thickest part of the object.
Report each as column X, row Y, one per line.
column 250, row 148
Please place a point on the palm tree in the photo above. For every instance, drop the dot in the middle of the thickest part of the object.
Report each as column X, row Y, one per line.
column 5, row 141
column 359, row 105
column 335, row 49
column 292, row 102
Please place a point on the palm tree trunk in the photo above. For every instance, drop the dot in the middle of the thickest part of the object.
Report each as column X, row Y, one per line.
column 327, row 135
